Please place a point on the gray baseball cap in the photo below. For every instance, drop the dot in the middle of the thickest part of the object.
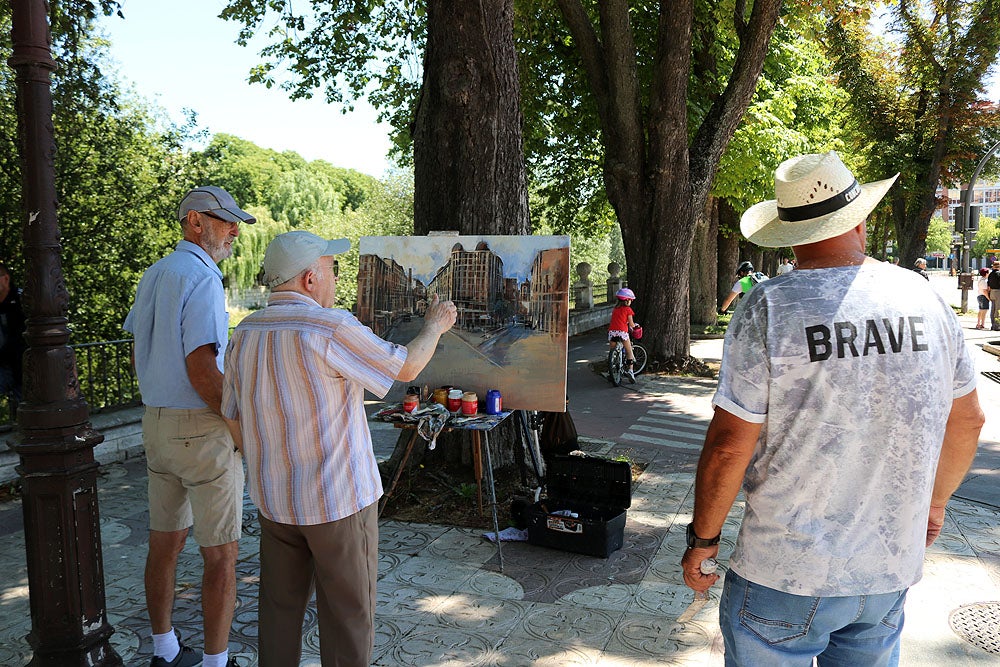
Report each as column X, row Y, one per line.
column 214, row 200
column 290, row 253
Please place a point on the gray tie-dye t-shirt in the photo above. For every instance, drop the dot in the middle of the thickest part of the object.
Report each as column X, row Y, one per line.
column 852, row 372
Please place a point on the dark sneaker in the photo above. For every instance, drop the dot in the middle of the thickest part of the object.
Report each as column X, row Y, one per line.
column 188, row 657
column 232, row 662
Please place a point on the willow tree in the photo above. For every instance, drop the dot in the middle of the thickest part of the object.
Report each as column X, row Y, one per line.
column 915, row 101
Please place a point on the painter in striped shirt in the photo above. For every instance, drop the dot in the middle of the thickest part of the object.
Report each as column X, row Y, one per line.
column 295, row 377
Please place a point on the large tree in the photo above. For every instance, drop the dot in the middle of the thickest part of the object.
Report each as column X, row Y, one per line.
column 467, row 149
column 915, row 101
column 658, row 167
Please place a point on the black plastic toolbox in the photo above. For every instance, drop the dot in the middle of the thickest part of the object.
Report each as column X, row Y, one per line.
column 598, row 491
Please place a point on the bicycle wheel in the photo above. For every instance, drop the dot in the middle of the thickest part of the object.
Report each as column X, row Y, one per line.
column 639, row 352
column 615, row 363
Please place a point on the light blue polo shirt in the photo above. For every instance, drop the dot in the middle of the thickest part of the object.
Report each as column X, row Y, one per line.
column 179, row 306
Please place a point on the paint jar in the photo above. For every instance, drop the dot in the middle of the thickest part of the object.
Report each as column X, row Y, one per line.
column 494, row 402
column 455, row 401
column 470, row 403
column 441, row 396
column 411, row 402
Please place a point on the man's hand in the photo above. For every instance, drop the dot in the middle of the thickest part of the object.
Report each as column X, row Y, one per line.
column 691, row 567
column 440, row 315
column 935, row 522
column 438, row 318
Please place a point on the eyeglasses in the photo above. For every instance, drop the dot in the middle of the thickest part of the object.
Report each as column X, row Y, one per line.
column 336, row 269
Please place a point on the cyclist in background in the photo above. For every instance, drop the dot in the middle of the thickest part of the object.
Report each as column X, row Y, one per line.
column 746, row 278
column 621, row 323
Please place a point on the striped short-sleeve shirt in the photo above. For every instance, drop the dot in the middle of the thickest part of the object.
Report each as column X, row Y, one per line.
column 295, row 379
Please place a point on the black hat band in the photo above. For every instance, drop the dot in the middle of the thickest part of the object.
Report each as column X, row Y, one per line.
column 820, row 208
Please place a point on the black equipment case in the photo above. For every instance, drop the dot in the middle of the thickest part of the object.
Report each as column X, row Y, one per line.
column 598, row 491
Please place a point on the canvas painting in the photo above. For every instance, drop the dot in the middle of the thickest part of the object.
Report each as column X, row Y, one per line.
column 512, row 296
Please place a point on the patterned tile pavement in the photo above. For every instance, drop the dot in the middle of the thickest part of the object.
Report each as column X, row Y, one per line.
column 443, row 602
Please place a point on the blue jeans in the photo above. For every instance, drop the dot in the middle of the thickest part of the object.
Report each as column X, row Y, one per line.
column 765, row 627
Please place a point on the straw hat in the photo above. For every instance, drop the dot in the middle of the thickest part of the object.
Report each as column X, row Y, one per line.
column 817, row 198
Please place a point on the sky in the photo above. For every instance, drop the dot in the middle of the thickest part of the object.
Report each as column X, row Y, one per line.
column 179, row 54
column 427, row 254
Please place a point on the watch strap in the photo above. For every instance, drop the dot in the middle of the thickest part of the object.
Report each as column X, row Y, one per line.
column 695, row 542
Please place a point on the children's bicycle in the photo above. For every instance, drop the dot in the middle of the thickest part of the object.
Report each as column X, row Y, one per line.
column 617, row 363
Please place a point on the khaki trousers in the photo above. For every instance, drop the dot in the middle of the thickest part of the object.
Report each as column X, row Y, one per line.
column 339, row 560
column 995, row 309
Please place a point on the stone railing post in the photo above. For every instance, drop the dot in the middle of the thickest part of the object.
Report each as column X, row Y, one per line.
column 614, row 280
column 583, row 290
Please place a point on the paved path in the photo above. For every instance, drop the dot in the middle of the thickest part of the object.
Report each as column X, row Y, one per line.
column 444, row 602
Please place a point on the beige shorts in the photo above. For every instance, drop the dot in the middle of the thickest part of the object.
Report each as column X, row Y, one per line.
column 195, row 474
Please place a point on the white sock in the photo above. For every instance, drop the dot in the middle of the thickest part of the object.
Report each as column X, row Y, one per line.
column 217, row 660
column 166, row 646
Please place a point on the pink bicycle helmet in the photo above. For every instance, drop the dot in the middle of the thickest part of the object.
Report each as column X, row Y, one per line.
column 625, row 293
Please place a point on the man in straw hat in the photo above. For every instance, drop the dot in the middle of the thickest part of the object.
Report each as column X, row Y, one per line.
column 846, row 475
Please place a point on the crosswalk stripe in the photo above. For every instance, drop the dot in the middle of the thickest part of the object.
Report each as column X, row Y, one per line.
column 664, row 426
column 690, row 427
column 635, row 437
column 682, row 435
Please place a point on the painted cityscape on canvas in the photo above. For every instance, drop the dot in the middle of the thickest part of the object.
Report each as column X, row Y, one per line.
column 512, row 296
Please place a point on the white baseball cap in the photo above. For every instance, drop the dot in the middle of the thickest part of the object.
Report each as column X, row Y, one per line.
column 290, row 253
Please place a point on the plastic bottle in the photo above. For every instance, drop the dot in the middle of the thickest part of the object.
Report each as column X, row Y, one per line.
column 708, row 566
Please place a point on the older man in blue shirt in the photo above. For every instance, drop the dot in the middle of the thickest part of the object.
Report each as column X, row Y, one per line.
column 180, row 325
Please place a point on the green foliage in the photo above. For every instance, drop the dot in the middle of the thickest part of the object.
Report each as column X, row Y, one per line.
column 348, row 50
column 913, row 101
column 939, row 235
column 286, row 192
column 386, row 211
column 987, row 238
column 121, row 170
column 797, row 109
column 119, row 174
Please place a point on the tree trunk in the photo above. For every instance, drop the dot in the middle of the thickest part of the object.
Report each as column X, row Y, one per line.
column 703, row 266
column 912, row 239
column 469, row 173
column 468, row 155
column 657, row 175
column 728, row 250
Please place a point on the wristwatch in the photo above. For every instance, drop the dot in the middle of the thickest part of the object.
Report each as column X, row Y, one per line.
column 695, row 542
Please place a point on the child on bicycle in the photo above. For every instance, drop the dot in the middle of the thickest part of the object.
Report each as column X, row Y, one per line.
column 621, row 323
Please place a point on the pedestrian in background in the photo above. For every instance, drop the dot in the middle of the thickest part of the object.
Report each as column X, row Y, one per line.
column 982, row 298
column 12, row 344
column 846, row 477
column 993, row 282
column 296, row 375
column 786, row 266
column 920, row 266
column 746, row 278
column 180, row 325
